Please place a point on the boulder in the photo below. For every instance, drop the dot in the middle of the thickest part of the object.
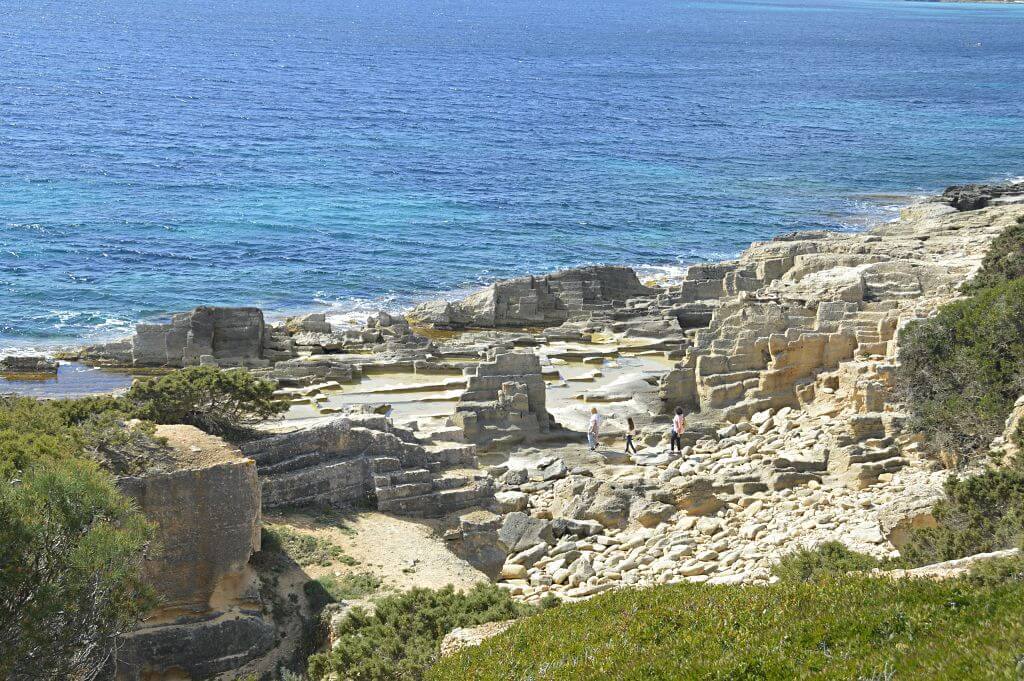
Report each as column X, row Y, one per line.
column 520, row 531
column 466, row 637
column 652, row 513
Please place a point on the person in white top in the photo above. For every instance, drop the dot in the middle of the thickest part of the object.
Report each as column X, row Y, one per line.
column 678, row 426
column 594, row 429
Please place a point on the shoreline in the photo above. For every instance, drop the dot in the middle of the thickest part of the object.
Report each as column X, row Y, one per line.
column 353, row 313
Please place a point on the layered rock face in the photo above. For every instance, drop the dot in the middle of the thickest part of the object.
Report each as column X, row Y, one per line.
column 219, row 336
column 504, row 401
column 793, row 310
column 368, row 461
column 207, row 511
column 548, row 300
column 28, row 364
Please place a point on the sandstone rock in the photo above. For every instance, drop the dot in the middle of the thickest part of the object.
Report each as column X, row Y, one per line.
column 207, row 513
column 519, row 531
column 467, row 637
column 581, row 528
column 508, row 502
column 696, row 496
column 556, row 470
column 652, row 513
column 535, row 301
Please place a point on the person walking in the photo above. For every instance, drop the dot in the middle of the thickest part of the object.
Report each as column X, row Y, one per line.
column 594, row 429
column 630, row 433
column 678, row 426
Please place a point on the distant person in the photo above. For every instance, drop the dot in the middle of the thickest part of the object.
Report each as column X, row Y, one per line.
column 678, row 426
column 630, row 434
column 594, row 429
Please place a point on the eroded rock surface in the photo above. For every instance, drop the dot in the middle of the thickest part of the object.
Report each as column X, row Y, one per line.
column 207, row 511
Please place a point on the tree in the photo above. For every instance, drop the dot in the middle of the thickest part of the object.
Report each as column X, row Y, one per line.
column 70, row 571
column 219, row 402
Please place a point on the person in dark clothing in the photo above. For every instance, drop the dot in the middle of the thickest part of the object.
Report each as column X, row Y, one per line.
column 630, row 432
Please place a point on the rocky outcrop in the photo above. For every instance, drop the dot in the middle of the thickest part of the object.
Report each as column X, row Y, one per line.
column 207, row 512
column 975, row 196
column 790, row 312
column 28, row 364
column 367, row 461
column 547, row 300
column 504, row 402
column 218, row 336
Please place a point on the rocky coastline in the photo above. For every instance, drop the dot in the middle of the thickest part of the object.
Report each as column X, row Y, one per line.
column 470, row 414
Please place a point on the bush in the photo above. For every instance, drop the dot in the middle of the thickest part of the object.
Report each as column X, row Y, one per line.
column 56, row 430
column 219, row 402
column 981, row 513
column 998, row 571
column 346, row 587
column 834, row 628
column 401, row 639
column 963, row 369
column 350, row 586
column 831, row 559
column 70, row 570
column 1003, row 262
column 304, row 549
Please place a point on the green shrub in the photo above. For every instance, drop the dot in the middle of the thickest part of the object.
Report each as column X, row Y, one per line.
column 833, row 628
column 962, row 370
column 70, row 570
column 998, row 571
column 981, row 513
column 1003, row 262
column 56, row 430
column 303, row 548
column 831, row 559
column 402, row 637
column 219, row 402
column 344, row 588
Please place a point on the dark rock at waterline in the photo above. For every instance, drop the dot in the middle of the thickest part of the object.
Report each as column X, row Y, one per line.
column 974, row 196
column 28, row 364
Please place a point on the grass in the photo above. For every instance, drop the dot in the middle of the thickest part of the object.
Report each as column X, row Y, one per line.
column 832, row 628
column 304, row 549
column 348, row 587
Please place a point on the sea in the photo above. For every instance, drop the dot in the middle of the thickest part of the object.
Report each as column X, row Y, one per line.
column 351, row 155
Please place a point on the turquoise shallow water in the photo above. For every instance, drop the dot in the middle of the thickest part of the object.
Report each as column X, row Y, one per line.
column 156, row 155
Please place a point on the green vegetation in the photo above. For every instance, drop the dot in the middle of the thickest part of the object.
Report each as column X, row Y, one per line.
column 70, row 569
column 831, row 559
column 1003, row 262
column 72, row 545
column 401, row 639
column 981, row 513
column 346, row 587
column 832, row 628
column 219, row 402
column 963, row 369
column 304, row 549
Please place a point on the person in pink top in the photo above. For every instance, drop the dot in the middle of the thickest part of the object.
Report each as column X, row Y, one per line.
column 678, row 426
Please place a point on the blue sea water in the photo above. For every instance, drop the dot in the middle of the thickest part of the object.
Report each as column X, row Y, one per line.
column 157, row 155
